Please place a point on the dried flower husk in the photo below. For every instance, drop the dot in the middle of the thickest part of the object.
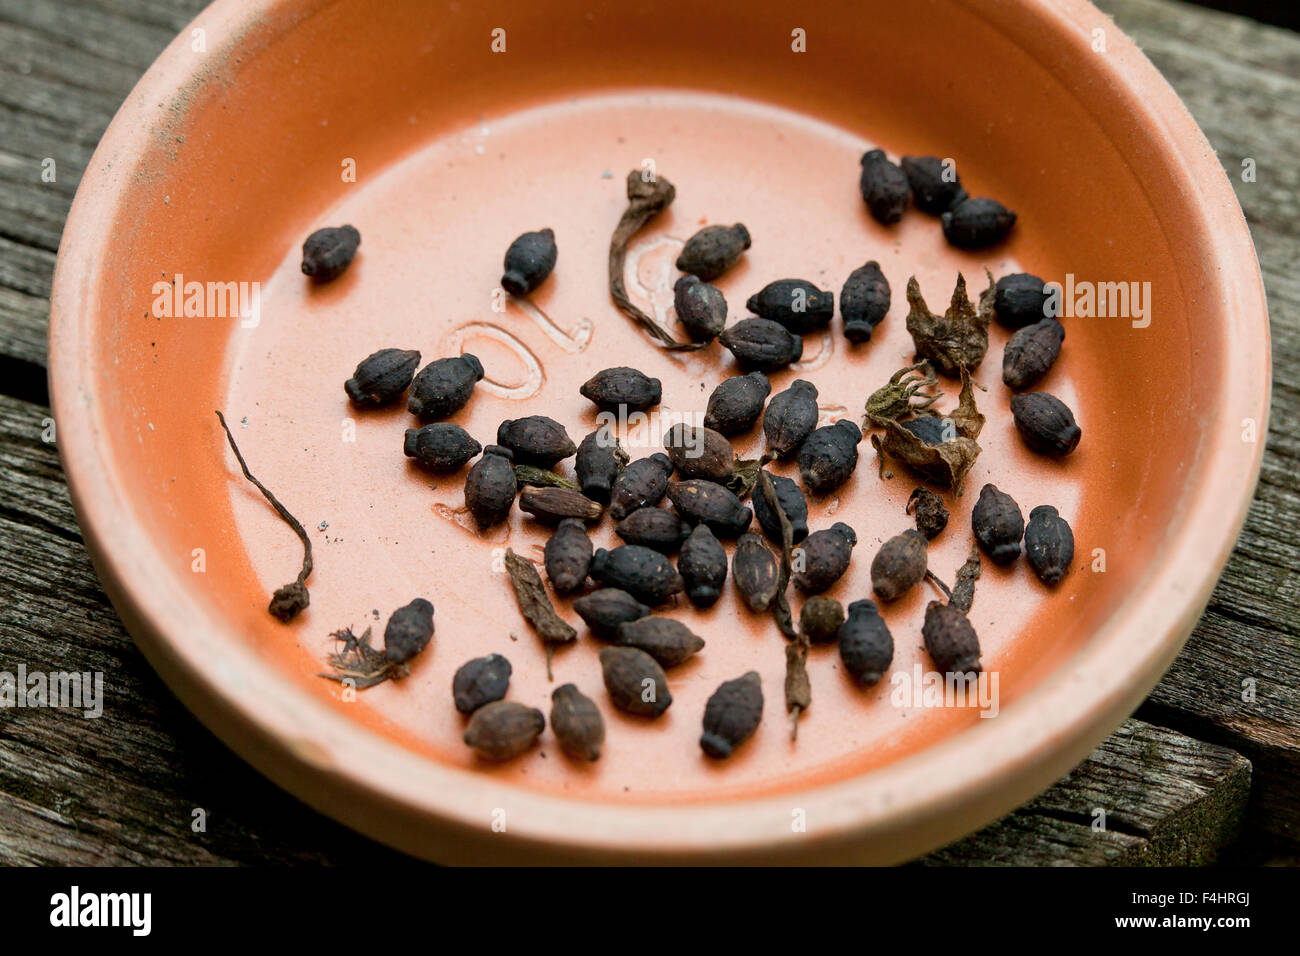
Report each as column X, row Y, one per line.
column 1049, row 544
column 737, row 403
column 824, row 557
column 668, row 641
column 703, row 566
column 328, row 252
column 641, row 484
column 957, row 339
column 936, row 187
column 899, row 565
column 791, row 500
column 699, row 452
column 444, row 386
column 705, row 502
column 791, row 417
column 998, row 524
column 977, row 222
column 700, row 307
column 532, row 476
column 820, row 619
column 732, row 714
column 568, row 556
column 1045, row 423
column 950, row 639
column 600, row 461
column 480, row 681
column 490, row 487
column 358, row 664
column 1031, row 352
column 796, row 303
column 408, row 631
column 884, row 187
column 382, row 377
column 635, row 681
column 528, row 261
column 761, row 345
column 798, row 688
column 947, row 462
column 828, row 456
column 440, row 446
column 963, row 591
column 931, row 514
column 864, row 301
column 504, row 729
column 536, row 440
column 605, row 609
column 713, row 250
column 536, row 607
column 904, row 394
column 552, row 505
column 576, row 723
column 656, row 528
column 866, row 646
column 622, row 387
column 754, row 569
column 642, row 572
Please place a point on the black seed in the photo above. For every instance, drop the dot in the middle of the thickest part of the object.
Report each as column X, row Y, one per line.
column 796, row 303
column 700, row 452
column 713, row 250
column 479, row 682
column 828, row 456
column 866, row 646
column 568, row 556
column 998, row 525
column 936, row 187
column 490, row 487
column 731, row 715
column 622, row 387
column 440, row 446
column 503, row 729
column 536, row 440
column 604, row 610
column 408, row 631
column 703, row 566
column 864, row 301
column 736, row 403
column 823, row 558
column 950, row 639
column 703, row 502
column 761, row 345
column 640, row 485
column 381, row 378
column 576, row 723
column 553, row 505
column 444, row 386
column 1019, row 299
column 899, row 565
column 1045, row 423
column 884, row 187
column 656, row 528
column 635, row 681
column 820, row 619
column 1049, row 544
column 754, row 569
column 529, row 260
column 792, row 501
column 702, row 308
column 1031, row 352
column 600, row 459
column 328, row 252
column 643, row 572
column 931, row 515
column 669, row 642
column 977, row 223
column 790, row 418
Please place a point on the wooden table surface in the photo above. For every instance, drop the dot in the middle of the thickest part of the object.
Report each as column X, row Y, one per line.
column 1198, row 775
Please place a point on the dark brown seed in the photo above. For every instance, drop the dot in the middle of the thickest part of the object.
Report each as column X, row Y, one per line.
column 444, row 386
column 702, row 308
column 643, row 572
column 951, row 639
column 600, row 459
column 536, row 440
column 998, row 525
column 820, row 619
column 479, row 682
column 736, row 403
column 936, row 187
column 635, row 681
column 754, row 569
column 669, row 642
column 884, row 187
column 535, row 605
column 606, row 609
column 490, row 487
column 866, row 646
column 703, row 566
column 931, row 515
column 576, row 723
column 713, row 250
column 1031, row 352
column 641, row 484
column 900, row 564
column 977, row 223
column 440, row 446
column 656, row 528
column 553, row 505
column 790, row 418
column 528, row 262
column 622, row 388
column 568, row 556
column 731, row 715
column 700, row 452
column 1045, row 423
column 864, row 301
column 408, row 632
column 796, row 303
column 1049, row 544
column 703, row 502
column 328, row 252
column 381, row 378
column 828, row 456
column 761, row 345
column 1020, row 299
column 504, row 729
column 823, row 558
column 791, row 499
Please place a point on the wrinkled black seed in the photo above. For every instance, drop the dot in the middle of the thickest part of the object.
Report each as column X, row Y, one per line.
column 736, row 403
column 699, row 452
column 622, row 387
column 490, row 487
column 998, row 525
column 931, row 514
column 656, row 528
column 899, row 565
column 761, row 345
column 866, row 646
column 408, row 632
column 703, row 566
column 440, row 446
column 820, row 619
column 382, row 377
column 704, row 502
column 504, row 729
column 576, row 723
column 568, row 556
column 1049, row 544
column 604, row 610
column 936, row 187
column 479, row 682
column 642, row 572
column 1045, row 423
column 731, row 715
column 702, row 308
column 713, row 250
column 668, row 641
column 1031, row 352
column 444, row 386
column 635, row 681
column 536, row 440
column 328, row 252
column 828, row 456
column 864, row 301
column 528, row 262
column 951, row 639
column 792, row 501
column 977, row 223
column 796, row 303
column 823, row 557
column 1019, row 299
column 641, row 484
column 791, row 417
column 553, row 505
column 600, row 460
column 754, row 569
column 884, row 187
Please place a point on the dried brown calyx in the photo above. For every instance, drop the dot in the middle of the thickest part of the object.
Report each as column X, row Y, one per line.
column 957, row 339
column 536, row 606
column 939, row 449
column 798, row 689
column 359, row 664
